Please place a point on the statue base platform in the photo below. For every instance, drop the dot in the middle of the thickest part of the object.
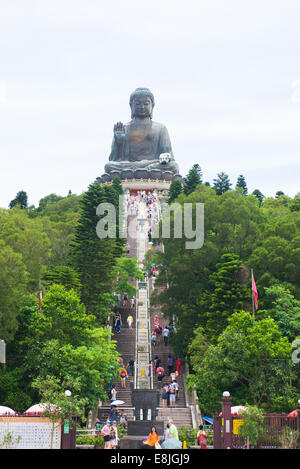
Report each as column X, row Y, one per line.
column 142, row 184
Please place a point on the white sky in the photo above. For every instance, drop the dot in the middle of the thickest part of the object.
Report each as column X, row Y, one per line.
column 225, row 76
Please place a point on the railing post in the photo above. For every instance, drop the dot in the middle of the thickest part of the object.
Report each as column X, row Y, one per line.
column 217, row 431
column 226, row 413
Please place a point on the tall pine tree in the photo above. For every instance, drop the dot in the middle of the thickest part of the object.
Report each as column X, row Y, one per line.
column 192, row 180
column 260, row 197
column 242, row 185
column 94, row 258
column 222, row 183
column 21, row 199
column 175, row 190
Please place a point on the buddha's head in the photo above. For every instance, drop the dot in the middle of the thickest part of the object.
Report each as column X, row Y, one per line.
column 141, row 103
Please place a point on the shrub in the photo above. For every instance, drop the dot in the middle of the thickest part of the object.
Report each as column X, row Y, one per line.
column 188, row 434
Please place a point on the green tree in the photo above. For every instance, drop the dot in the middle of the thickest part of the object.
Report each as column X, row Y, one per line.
column 285, row 310
column 197, row 347
column 26, row 237
column 227, row 294
column 175, row 190
column 21, row 199
column 295, row 203
column 48, row 200
column 242, row 185
column 192, row 180
column 13, row 283
column 125, row 270
column 92, row 257
column 252, row 426
column 62, row 275
column 64, row 318
column 222, row 183
column 66, row 343
column 252, row 360
column 59, row 407
column 260, row 197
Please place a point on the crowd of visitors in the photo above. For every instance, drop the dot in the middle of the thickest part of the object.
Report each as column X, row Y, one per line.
column 170, row 440
column 169, row 390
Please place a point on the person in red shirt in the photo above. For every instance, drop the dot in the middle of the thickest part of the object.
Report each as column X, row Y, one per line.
column 178, row 365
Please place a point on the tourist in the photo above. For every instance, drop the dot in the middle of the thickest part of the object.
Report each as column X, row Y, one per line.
column 153, row 439
column 156, row 320
column 172, row 442
column 123, row 419
column 172, row 391
column 173, row 432
column 168, row 396
column 170, row 364
column 123, row 374
column 160, row 374
column 129, row 321
column 118, row 324
column 150, row 368
column 113, row 395
column 157, row 331
column 130, row 367
column 113, row 414
column 128, row 248
column 164, row 394
column 176, row 390
column 132, row 301
column 202, row 438
column 166, row 336
column 178, row 365
column 105, row 432
column 154, row 339
column 157, row 362
column 114, row 436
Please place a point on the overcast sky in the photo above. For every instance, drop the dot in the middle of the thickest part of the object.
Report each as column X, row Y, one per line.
column 225, row 76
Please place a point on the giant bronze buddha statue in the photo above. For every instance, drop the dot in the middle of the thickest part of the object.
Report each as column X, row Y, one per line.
column 141, row 149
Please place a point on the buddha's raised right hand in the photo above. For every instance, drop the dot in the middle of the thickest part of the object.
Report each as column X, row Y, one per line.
column 119, row 132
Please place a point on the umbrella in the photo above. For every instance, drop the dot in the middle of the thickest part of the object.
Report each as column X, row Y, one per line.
column 40, row 408
column 6, row 410
column 117, row 402
column 293, row 414
column 171, row 443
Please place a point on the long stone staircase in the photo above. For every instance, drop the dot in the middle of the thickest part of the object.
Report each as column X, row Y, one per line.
column 126, row 346
column 181, row 414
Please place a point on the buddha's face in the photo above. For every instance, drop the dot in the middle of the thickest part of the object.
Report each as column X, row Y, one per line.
column 141, row 106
